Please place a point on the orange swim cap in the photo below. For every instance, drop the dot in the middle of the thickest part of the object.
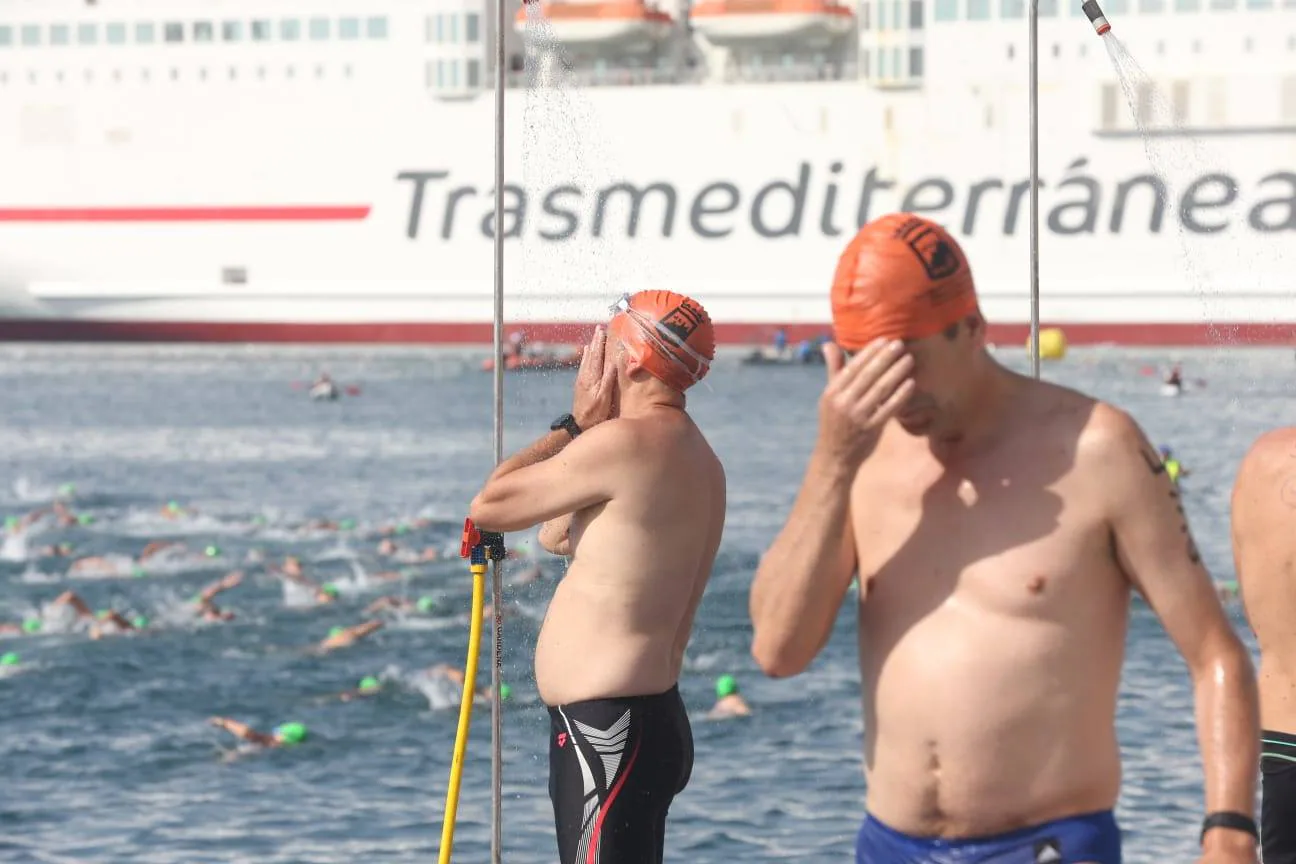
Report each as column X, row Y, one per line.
column 902, row 277
column 669, row 334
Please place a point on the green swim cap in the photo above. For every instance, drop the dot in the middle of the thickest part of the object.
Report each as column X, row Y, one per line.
column 9, row 659
column 369, row 683
column 140, row 621
column 726, row 685
column 426, row 604
column 172, row 506
column 505, row 690
column 330, row 589
column 212, row 551
column 12, row 521
column 32, row 625
column 85, row 519
column 336, row 631
column 67, row 489
column 291, row 733
column 103, row 614
column 259, row 520
column 137, row 571
column 402, row 529
column 347, row 524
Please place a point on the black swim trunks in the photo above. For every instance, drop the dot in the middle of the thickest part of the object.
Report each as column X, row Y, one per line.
column 1278, row 804
column 615, row 765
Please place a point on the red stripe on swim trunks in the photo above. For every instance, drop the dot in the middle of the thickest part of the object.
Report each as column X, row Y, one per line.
column 241, row 213
column 592, row 857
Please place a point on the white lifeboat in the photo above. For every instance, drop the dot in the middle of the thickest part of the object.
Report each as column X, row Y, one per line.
column 626, row 25
column 735, row 22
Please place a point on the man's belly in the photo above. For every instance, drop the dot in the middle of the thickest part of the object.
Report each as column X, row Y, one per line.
column 980, row 726
column 585, row 651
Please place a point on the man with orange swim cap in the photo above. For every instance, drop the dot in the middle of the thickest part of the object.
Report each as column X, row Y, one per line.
column 996, row 528
column 627, row 486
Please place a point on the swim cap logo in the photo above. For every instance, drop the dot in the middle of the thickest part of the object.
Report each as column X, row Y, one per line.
column 562, row 740
column 683, row 320
column 938, row 258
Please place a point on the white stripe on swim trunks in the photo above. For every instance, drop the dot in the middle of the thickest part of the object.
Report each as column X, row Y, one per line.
column 652, row 329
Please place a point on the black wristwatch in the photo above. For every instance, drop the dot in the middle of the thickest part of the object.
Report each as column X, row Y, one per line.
column 1236, row 821
column 567, row 422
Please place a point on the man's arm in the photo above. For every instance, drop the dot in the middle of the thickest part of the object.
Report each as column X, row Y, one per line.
column 1154, row 547
column 555, row 536
column 801, row 581
column 553, row 477
column 244, row 731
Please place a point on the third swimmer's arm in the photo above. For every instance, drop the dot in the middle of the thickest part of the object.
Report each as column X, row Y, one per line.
column 803, row 577
column 1155, row 549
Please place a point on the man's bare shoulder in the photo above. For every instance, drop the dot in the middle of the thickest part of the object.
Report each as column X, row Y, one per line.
column 1272, row 455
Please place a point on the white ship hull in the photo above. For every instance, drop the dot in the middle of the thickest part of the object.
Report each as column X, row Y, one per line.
column 359, row 211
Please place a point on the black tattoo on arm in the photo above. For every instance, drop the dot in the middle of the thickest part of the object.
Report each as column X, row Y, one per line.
column 1157, row 466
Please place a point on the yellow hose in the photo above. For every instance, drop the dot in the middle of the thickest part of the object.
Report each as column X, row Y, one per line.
column 465, row 711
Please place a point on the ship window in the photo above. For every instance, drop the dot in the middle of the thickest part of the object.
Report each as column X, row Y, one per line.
column 1012, row 52
column 1187, row 5
column 916, row 14
column 144, row 33
column 203, row 31
column 319, row 29
column 915, row 62
column 440, row 79
column 1289, row 99
column 115, row 34
column 947, row 10
column 1151, row 7
column 897, row 16
column 1216, row 102
column 453, row 36
column 60, row 34
column 6, row 36
column 87, row 34
column 1259, row 4
column 1117, row 7
column 440, row 28
column 232, row 31
column 1109, row 106
column 864, row 8
column 376, row 28
column 472, row 27
column 427, row 74
column 454, row 73
column 1223, row 4
column 978, row 10
column 173, row 32
column 349, row 28
column 31, row 34
column 260, row 31
column 884, row 70
column 1012, row 9
column 474, row 73
column 1145, row 104
column 864, row 63
column 882, row 15
column 1048, row 8
column 233, row 72
column 290, row 29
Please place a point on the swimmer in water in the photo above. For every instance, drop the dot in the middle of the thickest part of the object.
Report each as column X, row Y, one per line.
column 345, row 637
column 29, row 626
column 1264, row 551
column 729, row 702
column 629, row 488
column 368, row 686
column 292, row 572
column 423, row 605
column 388, row 548
column 108, row 622
column 456, row 676
column 205, row 609
column 998, row 523
column 1173, row 467
column 285, row 735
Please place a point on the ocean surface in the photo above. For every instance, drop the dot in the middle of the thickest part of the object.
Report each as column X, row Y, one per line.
column 106, row 754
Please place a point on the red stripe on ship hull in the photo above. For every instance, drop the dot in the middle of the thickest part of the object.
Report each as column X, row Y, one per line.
column 442, row 333
column 348, row 213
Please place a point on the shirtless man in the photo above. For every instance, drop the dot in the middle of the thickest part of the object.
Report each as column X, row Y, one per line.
column 997, row 524
column 1264, row 550
column 628, row 486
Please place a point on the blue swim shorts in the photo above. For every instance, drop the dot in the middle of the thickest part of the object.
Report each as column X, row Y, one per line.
column 1093, row 838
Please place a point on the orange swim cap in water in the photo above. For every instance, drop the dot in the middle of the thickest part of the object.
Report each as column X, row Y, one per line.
column 902, row 277
column 669, row 334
